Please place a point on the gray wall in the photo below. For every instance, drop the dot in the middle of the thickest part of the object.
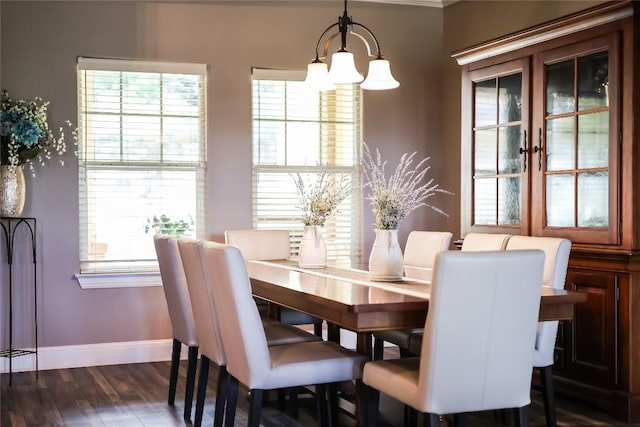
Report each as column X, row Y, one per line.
column 40, row 42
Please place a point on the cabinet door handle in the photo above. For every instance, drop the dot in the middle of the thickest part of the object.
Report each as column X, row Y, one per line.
column 538, row 149
column 524, row 151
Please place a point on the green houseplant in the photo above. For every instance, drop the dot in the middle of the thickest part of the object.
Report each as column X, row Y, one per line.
column 164, row 225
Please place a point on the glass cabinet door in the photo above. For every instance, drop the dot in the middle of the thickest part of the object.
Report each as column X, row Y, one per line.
column 573, row 163
column 495, row 191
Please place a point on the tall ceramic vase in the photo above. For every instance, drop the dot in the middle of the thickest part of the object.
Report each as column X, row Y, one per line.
column 12, row 190
column 313, row 252
column 385, row 262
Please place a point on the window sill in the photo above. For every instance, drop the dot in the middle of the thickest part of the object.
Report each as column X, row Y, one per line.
column 118, row 280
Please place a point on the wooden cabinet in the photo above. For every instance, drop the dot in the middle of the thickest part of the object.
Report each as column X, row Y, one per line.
column 550, row 119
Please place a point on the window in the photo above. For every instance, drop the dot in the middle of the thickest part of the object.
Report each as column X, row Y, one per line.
column 141, row 154
column 298, row 130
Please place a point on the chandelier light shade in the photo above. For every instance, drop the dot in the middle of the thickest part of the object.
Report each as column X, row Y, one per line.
column 379, row 76
column 343, row 69
column 318, row 76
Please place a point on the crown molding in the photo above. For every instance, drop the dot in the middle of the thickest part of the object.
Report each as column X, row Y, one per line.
column 425, row 3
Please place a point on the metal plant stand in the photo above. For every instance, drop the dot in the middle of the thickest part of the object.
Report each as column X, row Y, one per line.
column 10, row 225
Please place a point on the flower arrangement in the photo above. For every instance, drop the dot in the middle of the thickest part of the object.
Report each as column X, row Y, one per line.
column 320, row 199
column 25, row 133
column 393, row 199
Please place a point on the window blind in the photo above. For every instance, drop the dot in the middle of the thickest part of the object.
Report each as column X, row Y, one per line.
column 141, row 155
column 296, row 130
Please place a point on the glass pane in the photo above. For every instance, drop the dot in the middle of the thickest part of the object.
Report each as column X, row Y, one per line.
column 560, row 144
column 485, row 201
column 593, row 81
column 103, row 91
column 120, row 217
column 269, row 146
column 485, row 152
column 140, row 138
column 181, row 139
column 270, row 102
column 509, row 191
column 593, row 199
column 486, row 107
column 560, row 88
column 509, row 150
column 180, row 94
column 593, row 140
column 510, row 98
column 301, row 104
column 560, row 200
column 141, row 93
column 303, row 143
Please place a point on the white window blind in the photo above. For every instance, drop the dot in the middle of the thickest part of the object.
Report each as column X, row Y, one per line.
column 299, row 130
column 141, row 154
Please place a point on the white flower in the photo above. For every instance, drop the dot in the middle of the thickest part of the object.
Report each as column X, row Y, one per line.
column 320, row 199
column 393, row 199
column 25, row 136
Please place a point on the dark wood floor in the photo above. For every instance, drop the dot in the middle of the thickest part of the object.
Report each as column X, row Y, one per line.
column 135, row 395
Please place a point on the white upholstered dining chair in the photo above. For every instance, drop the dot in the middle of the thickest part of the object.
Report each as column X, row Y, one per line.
column 419, row 258
column 250, row 360
column 208, row 330
column 484, row 242
column 557, row 253
column 473, row 242
column 266, row 245
column 478, row 345
column 180, row 315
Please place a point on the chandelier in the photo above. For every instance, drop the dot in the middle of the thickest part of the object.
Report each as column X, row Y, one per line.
column 343, row 68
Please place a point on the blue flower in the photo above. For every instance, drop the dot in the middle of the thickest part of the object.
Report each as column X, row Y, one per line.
column 26, row 132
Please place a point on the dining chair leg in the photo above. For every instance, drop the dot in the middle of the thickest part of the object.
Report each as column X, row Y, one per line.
column 255, row 407
column 404, row 352
column 173, row 376
column 523, row 417
column 221, row 396
column 410, row 416
column 321, row 405
column 459, row 420
column 434, row 419
column 293, row 402
column 282, row 399
column 203, row 378
column 370, row 399
column 232, row 402
column 192, row 362
column 378, row 349
column 332, row 397
column 546, row 377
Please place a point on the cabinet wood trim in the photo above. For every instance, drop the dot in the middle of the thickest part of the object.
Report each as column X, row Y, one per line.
column 589, row 18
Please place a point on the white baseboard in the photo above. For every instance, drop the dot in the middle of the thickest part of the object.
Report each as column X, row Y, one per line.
column 75, row 356
column 115, row 353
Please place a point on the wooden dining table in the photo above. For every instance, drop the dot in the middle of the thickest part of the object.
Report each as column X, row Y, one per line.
column 347, row 298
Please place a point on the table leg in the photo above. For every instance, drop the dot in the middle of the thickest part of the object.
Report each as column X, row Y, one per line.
column 333, row 332
column 363, row 346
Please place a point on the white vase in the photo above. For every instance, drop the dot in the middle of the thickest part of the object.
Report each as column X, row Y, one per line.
column 386, row 262
column 313, row 252
column 12, row 190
